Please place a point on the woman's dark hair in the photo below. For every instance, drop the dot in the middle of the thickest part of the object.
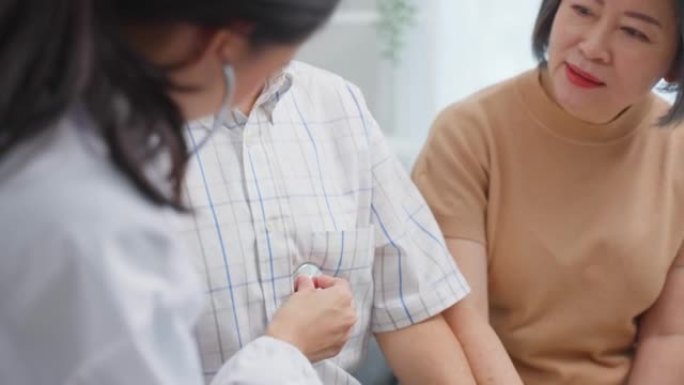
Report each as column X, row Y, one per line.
column 540, row 45
column 56, row 54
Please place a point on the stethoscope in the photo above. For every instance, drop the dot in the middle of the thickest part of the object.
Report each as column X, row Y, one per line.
column 307, row 269
column 221, row 117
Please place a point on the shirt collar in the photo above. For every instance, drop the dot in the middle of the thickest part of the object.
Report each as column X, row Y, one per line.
column 275, row 87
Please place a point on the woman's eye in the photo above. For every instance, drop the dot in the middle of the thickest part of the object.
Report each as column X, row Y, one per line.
column 635, row 33
column 581, row 10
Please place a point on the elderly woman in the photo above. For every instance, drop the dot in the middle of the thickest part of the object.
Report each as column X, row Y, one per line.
column 561, row 193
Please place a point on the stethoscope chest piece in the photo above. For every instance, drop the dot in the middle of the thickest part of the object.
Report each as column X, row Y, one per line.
column 307, row 269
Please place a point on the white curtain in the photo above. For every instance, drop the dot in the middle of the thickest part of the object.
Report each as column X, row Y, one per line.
column 457, row 47
column 478, row 43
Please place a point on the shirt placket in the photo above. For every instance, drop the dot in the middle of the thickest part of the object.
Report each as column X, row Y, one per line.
column 272, row 247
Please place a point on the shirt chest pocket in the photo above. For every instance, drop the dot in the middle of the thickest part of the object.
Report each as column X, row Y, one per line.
column 345, row 254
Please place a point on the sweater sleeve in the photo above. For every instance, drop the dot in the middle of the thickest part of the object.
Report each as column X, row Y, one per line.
column 452, row 173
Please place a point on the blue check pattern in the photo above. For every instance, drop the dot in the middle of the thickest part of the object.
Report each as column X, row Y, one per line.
column 308, row 177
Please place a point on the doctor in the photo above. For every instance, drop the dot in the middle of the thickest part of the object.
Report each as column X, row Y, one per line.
column 94, row 286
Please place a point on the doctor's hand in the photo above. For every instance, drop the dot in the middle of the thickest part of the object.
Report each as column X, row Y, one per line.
column 317, row 318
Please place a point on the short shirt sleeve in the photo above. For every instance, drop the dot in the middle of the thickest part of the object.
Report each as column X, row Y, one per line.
column 414, row 275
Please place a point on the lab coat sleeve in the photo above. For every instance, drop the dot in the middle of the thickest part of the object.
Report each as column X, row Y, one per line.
column 267, row 361
column 143, row 302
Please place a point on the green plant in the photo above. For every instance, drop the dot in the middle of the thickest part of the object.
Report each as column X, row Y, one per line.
column 396, row 16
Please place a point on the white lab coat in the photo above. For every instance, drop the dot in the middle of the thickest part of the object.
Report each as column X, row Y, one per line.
column 94, row 287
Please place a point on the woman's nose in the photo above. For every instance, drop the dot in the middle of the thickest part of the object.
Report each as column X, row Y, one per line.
column 595, row 44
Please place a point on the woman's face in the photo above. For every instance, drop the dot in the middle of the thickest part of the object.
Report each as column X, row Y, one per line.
column 605, row 55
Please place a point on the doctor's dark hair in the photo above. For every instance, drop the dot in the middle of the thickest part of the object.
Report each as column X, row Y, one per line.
column 59, row 54
column 540, row 45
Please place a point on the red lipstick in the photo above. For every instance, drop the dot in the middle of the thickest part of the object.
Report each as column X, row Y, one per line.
column 581, row 78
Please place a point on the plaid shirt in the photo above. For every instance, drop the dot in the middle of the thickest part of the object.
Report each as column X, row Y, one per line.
column 308, row 176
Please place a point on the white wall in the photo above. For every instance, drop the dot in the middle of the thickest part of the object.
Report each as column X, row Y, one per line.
column 455, row 48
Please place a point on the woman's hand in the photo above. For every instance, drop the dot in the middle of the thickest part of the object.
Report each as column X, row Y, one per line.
column 317, row 318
